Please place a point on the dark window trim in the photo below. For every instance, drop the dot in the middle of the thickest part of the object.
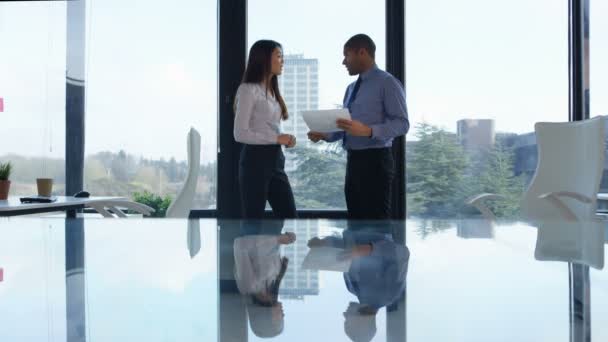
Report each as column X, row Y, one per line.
column 395, row 64
column 74, row 100
column 578, row 59
column 232, row 43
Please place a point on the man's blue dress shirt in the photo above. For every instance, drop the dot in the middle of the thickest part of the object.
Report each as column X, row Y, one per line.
column 380, row 104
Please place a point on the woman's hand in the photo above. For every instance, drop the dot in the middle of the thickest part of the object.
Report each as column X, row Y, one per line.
column 287, row 140
column 287, row 238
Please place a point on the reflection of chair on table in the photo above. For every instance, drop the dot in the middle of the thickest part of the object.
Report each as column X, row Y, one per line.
column 581, row 243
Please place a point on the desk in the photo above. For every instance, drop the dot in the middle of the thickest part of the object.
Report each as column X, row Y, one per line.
column 174, row 280
column 14, row 207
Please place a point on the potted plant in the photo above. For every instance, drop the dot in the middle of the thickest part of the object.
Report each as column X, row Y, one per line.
column 5, row 184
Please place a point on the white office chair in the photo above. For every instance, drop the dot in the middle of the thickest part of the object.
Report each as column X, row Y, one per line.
column 568, row 173
column 182, row 204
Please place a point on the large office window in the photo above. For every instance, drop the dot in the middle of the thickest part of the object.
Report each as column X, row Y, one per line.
column 313, row 34
column 479, row 75
column 32, row 91
column 598, row 75
column 598, row 41
column 599, row 106
column 151, row 75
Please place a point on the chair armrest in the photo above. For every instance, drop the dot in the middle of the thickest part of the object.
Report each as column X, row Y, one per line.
column 478, row 201
column 571, row 194
column 100, row 206
column 118, row 212
column 554, row 198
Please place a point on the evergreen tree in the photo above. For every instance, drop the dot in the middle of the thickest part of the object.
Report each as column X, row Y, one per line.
column 435, row 171
column 318, row 181
column 497, row 177
column 442, row 176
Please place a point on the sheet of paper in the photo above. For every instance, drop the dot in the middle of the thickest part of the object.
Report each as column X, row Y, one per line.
column 324, row 121
column 326, row 258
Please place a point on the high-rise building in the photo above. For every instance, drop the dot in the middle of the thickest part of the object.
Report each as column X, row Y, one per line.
column 297, row 282
column 476, row 133
column 299, row 86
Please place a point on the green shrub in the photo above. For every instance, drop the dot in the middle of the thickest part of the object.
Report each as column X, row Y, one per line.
column 158, row 203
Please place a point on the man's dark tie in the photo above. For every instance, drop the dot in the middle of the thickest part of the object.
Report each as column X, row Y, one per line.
column 351, row 98
column 353, row 94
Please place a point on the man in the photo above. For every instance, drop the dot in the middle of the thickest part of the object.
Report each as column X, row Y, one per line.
column 376, row 102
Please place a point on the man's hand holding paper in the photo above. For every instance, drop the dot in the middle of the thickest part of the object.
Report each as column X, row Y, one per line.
column 325, row 121
column 354, row 128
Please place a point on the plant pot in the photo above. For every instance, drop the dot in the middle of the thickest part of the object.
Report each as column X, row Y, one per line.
column 5, row 185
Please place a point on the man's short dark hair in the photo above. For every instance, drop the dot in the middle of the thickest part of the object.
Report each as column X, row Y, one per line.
column 361, row 41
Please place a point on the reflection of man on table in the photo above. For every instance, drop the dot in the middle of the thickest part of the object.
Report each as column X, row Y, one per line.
column 376, row 276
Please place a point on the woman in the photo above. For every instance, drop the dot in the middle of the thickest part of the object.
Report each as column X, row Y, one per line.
column 259, row 110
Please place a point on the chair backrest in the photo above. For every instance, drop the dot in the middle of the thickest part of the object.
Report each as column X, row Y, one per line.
column 182, row 204
column 570, row 158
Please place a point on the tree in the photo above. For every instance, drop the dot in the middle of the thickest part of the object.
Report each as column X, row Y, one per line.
column 118, row 167
column 442, row 176
column 172, row 171
column 146, row 175
column 318, row 181
column 496, row 176
column 435, row 170
column 93, row 169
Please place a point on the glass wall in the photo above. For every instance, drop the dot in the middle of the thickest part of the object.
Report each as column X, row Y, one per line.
column 151, row 75
column 127, row 299
column 33, row 281
column 313, row 34
column 598, row 47
column 598, row 78
column 32, row 93
column 479, row 75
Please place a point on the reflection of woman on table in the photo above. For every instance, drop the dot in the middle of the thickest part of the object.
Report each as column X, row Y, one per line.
column 259, row 269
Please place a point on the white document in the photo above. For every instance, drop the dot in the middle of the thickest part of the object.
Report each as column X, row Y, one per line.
column 324, row 121
column 326, row 258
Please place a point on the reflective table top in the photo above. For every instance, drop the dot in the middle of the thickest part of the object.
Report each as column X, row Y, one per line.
column 302, row 280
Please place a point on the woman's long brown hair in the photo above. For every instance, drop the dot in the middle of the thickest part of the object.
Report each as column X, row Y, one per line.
column 259, row 66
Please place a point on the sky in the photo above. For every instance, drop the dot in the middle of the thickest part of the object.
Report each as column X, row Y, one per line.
column 151, row 68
